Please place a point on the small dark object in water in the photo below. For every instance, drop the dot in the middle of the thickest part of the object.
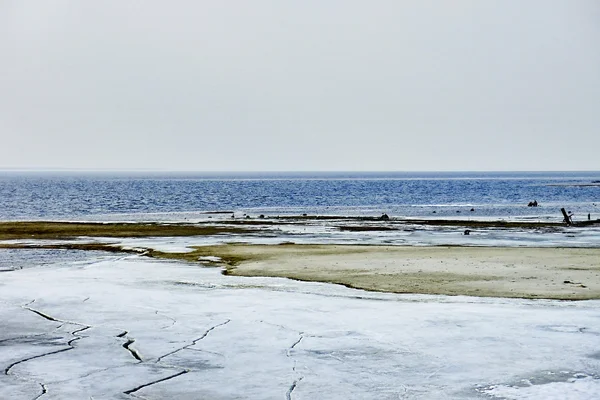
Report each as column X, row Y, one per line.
column 532, row 204
column 247, row 217
column 261, row 216
column 467, row 232
column 568, row 282
column 384, row 217
column 472, row 209
column 589, row 217
column 457, row 211
column 434, row 211
column 304, row 215
column 567, row 217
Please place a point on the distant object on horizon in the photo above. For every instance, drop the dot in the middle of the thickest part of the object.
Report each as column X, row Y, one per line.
column 532, row 204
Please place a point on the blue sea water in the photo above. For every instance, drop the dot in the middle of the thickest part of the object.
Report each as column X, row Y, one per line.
column 169, row 196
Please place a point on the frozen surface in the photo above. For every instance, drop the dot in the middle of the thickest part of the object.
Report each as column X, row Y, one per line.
column 579, row 387
column 131, row 327
column 329, row 233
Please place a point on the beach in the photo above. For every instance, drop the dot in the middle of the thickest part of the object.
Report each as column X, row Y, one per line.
column 550, row 273
column 334, row 256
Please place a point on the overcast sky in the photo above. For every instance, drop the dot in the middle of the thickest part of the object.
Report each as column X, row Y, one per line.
column 300, row 85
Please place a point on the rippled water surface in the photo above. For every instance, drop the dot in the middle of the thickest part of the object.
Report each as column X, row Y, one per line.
column 108, row 196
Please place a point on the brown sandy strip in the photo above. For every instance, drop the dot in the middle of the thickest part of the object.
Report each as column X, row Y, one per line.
column 551, row 273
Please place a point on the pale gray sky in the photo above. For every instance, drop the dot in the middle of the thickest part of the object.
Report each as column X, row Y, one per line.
column 300, row 85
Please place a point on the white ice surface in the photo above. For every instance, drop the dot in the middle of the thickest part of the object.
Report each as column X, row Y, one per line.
column 575, row 388
column 202, row 335
column 422, row 236
column 164, row 244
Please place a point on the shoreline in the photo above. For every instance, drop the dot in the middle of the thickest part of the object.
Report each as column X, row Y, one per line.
column 506, row 272
column 467, row 268
column 13, row 230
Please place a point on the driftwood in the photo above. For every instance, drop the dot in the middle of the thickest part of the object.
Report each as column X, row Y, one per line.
column 568, row 220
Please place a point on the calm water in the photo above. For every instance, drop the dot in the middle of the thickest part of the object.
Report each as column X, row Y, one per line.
column 172, row 196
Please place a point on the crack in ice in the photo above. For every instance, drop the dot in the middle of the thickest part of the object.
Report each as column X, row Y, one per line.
column 173, row 320
column 298, row 341
column 127, row 345
column 131, row 391
column 51, row 318
column 41, row 314
column 7, row 369
column 205, row 334
column 294, row 384
column 74, row 333
column 288, row 395
column 69, row 343
column 44, row 391
column 134, row 353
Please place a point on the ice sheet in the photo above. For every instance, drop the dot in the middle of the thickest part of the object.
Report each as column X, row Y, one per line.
column 132, row 326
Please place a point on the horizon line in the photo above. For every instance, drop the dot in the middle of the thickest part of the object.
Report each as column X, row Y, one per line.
column 189, row 171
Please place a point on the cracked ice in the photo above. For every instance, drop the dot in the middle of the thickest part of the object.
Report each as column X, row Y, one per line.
column 95, row 331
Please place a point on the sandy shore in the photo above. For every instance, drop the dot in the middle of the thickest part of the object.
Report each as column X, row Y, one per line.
column 520, row 272
column 551, row 273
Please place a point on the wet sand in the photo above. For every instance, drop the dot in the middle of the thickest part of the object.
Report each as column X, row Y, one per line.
column 550, row 273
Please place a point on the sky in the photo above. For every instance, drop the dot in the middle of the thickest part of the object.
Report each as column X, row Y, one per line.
column 312, row 85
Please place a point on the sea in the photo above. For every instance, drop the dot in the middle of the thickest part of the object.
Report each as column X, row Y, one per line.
column 179, row 196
